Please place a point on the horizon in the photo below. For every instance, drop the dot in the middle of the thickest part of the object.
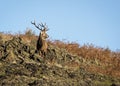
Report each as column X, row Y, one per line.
column 85, row 22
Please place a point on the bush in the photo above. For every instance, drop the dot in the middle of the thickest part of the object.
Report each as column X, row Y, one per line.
column 29, row 32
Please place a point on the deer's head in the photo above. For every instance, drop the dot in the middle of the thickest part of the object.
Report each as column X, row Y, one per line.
column 43, row 28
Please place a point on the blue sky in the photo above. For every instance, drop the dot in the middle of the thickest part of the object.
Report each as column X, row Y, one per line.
column 81, row 21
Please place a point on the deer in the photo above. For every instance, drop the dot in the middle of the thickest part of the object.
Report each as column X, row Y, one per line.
column 41, row 45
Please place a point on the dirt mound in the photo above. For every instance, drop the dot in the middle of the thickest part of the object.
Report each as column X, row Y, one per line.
column 20, row 65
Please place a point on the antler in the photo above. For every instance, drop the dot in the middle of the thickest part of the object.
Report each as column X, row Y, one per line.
column 38, row 26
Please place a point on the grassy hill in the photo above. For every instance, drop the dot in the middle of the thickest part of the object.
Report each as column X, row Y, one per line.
column 66, row 64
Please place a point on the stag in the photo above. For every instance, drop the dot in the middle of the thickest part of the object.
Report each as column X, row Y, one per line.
column 41, row 42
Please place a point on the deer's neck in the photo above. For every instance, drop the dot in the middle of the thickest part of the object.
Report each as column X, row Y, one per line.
column 42, row 41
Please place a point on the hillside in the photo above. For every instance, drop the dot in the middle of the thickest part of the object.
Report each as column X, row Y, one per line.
column 66, row 64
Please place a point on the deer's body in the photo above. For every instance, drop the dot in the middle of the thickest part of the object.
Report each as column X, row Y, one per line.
column 41, row 42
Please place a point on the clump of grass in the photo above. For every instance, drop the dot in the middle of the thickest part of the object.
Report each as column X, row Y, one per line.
column 29, row 32
column 5, row 36
column 29, row 37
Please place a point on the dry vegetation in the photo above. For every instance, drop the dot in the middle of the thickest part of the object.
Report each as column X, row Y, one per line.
column 106, row 61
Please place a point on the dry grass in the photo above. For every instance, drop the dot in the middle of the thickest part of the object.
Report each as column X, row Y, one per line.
column 28, row 37
column 109, row 61
column 5, row 36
